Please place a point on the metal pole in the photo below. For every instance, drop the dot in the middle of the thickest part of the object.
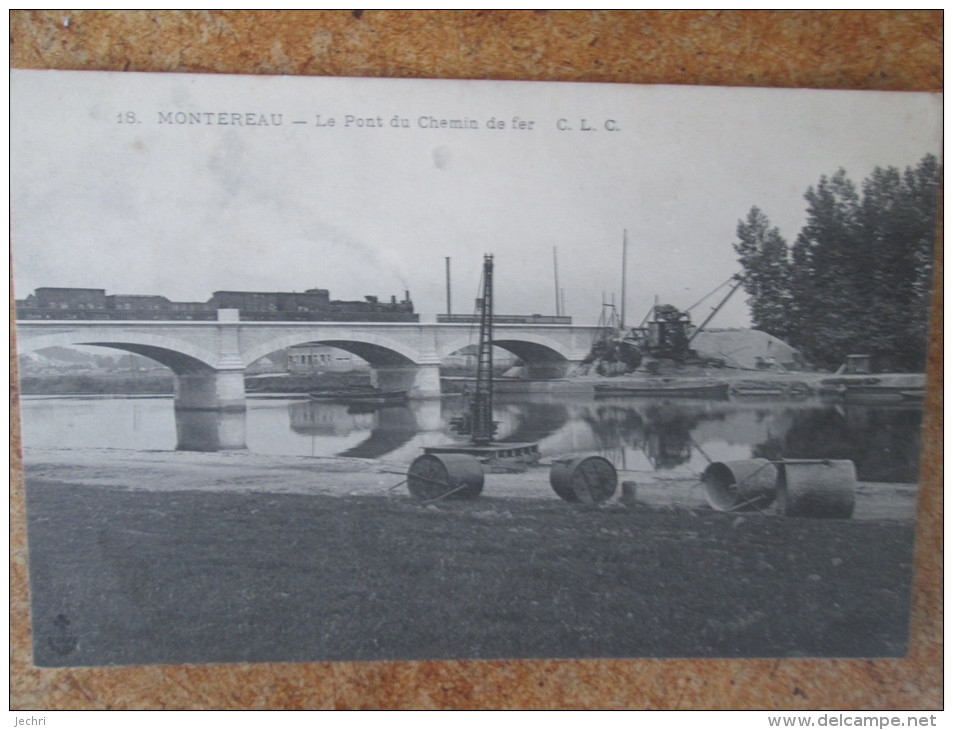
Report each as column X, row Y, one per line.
column 448, row 287
column 556, row 277
column 483, row 397
column 625, row 247
column 715, row 310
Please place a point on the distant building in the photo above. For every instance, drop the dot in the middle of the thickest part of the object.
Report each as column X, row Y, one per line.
column 309, row 359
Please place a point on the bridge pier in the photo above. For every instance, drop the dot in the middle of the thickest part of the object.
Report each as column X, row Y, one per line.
column 207, row 430
column 211, row 390
column 420, row 381
column 428, row 415
column 210, row 410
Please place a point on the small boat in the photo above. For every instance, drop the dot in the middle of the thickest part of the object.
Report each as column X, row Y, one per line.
column 850, row 381
column 378, row 397
column 663, row 390
column 876, row 392
column 773, row 392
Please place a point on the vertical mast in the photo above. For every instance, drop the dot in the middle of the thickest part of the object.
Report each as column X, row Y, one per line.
column 448, row 286
column 483, row 398
column 556, row 277
column 625, row 250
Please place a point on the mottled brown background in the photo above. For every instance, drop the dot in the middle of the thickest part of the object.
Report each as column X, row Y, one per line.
column 888, row 50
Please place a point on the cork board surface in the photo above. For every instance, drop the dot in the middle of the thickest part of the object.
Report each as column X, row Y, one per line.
column 885, row 50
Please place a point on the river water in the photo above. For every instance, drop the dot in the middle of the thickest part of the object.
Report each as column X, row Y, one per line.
column 674, row 435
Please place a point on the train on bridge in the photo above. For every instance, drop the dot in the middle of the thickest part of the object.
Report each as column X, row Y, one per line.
column 312, row 305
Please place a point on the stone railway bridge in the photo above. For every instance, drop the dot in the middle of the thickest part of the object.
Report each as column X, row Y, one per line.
column 209, row 358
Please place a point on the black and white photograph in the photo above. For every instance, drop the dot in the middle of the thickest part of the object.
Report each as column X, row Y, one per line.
column 355, row 369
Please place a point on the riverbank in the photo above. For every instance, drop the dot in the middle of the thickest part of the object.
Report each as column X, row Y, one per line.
column 188, row 557
column 770, row 383
column 244, row 472
column 162, row 383
column 741, row 383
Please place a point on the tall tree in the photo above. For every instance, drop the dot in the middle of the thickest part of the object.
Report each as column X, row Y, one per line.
column 921, row 187
column 824, row 272
column 857, row 279
column 763, row 254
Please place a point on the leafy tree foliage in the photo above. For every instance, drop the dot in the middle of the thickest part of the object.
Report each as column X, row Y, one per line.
column 764, row 255
column 857, row 278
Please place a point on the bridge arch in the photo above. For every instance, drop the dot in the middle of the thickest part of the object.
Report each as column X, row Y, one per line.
column 202, row 381
column 531, row 344
column 543, row 357
column 178, row 355
column 379, row 351
column 394, row 365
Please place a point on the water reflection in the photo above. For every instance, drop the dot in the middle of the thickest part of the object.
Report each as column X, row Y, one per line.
column 209, row 430
column 655, row 434
column 661, row 430
column 883, row 441
column 674, row 435
column 387, row 428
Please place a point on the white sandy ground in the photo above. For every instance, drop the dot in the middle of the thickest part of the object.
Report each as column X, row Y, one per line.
column 245, row 472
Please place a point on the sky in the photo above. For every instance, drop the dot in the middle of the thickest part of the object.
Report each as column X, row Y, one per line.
column 109, row 190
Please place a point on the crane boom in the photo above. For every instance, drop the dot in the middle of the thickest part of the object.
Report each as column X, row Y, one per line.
column 715, row 310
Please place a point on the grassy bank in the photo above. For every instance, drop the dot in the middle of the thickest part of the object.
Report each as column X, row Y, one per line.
column 140, row 576
column 160, row 383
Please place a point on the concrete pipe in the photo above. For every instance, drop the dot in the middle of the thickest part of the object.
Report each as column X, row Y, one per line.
column 816, row 488
column 586, row 479
column 451, row 476
column 733, row 486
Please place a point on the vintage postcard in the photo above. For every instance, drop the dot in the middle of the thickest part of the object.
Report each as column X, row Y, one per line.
column 359, row 369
